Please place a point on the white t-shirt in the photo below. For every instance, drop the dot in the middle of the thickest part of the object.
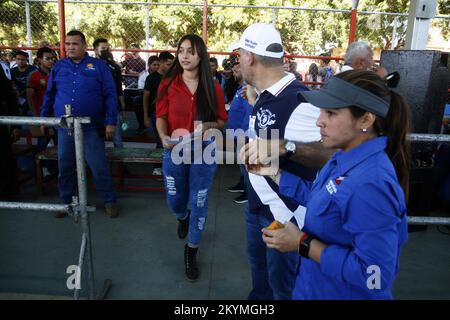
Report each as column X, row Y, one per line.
column 142, row 77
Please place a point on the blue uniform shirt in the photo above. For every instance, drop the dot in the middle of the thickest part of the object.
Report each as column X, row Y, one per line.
column 239, row 113
column 88, row 86
column 357, row 207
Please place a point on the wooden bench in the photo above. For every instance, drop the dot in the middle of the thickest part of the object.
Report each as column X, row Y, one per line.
column 118, row 155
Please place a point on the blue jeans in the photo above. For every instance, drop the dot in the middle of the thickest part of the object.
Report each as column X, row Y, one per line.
column 94, row 154
column 242, row 177
column 273, row 272
column 188, row 183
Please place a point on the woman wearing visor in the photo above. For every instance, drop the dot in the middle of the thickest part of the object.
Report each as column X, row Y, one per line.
column 355, row 223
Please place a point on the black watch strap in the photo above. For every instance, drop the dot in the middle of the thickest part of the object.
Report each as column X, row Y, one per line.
column 303, row 249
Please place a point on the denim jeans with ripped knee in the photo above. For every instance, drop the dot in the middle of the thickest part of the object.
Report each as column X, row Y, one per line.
column 189, row 183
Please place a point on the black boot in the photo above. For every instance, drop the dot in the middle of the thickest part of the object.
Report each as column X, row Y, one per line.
column 183, row 226
column 190, row 263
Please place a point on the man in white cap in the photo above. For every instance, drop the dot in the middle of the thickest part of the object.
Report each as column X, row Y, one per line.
column 277, row 108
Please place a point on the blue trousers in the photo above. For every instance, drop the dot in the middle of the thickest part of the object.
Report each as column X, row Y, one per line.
column 188, row 184
column 94, row 154
column 117, row 138
column 273, row 272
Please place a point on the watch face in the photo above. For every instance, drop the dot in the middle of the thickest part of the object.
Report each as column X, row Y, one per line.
column 290, row 146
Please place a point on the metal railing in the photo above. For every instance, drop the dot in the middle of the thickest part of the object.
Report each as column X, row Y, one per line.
column 79, row 208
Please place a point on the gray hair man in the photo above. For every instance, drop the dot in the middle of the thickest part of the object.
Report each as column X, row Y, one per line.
column 359, row 56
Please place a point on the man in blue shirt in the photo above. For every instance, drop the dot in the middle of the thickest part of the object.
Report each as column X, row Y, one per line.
column 87, row 85
column 238, row 118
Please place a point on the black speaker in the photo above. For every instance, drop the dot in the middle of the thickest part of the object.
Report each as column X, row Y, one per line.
column 424, row 81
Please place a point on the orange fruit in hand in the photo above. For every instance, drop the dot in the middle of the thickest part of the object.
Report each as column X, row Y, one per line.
column 275, row 225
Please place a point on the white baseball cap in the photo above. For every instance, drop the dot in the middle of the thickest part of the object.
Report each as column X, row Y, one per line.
column 257, row 38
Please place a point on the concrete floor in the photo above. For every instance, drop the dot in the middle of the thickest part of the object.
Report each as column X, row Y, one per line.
column 142, row 255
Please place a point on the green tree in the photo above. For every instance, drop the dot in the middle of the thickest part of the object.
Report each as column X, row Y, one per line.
column 303, row 32
column 44, row 23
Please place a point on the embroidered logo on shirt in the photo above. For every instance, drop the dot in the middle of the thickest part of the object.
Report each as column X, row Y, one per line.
column 265, row 118
column 339, row 180
column 90, row 66
column 331, row 187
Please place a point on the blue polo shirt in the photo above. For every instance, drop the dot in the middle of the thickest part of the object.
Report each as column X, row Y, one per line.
column 357, row 207
column 88, row 86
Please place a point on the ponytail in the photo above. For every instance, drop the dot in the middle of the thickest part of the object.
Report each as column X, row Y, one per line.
column 395, row 126
column 398, row 125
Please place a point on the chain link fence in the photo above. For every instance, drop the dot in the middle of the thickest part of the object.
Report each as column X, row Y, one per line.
column 157, row 25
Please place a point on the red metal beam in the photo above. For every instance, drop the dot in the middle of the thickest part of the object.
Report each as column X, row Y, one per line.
column 353, row 19
column 62, row 28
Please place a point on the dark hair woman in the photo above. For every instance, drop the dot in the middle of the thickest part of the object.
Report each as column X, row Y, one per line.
column 355, row 223
column 189, row 101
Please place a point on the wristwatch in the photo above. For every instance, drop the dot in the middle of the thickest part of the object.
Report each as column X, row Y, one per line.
column 305, row 243
column 290, row 148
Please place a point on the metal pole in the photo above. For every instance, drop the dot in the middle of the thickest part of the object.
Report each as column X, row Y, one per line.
column 147, row 30
column 424, row 137
column 41, row 121
column 420, row 15
column 62, row 28
column 394, row 34
column 436, row 221
column 353, row 20
column 31, row 121
column 82, row 199
column 205, row 21
column 274, row 18
column 76, row 294
column 27, row 17
column 41, row 207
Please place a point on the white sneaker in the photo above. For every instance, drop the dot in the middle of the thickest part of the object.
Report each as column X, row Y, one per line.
column 157, row 172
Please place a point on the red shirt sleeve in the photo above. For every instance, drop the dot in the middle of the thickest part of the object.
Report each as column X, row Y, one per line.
column 220, row 103
column 162, row 105
column 32, row 81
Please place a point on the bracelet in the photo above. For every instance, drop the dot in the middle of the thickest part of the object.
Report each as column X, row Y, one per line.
column 302, row 238
column 304, row 245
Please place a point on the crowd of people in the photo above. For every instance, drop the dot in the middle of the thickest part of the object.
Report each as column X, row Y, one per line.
column 338, row 190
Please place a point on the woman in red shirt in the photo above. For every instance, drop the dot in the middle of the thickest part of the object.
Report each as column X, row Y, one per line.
column 189, row 101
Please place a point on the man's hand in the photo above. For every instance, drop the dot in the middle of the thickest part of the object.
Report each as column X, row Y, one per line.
column 261, row 170
column 109, row 131
column 284, row 239
column 260, row 151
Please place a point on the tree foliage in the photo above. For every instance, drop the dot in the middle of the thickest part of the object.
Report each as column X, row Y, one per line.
column 303, row 32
